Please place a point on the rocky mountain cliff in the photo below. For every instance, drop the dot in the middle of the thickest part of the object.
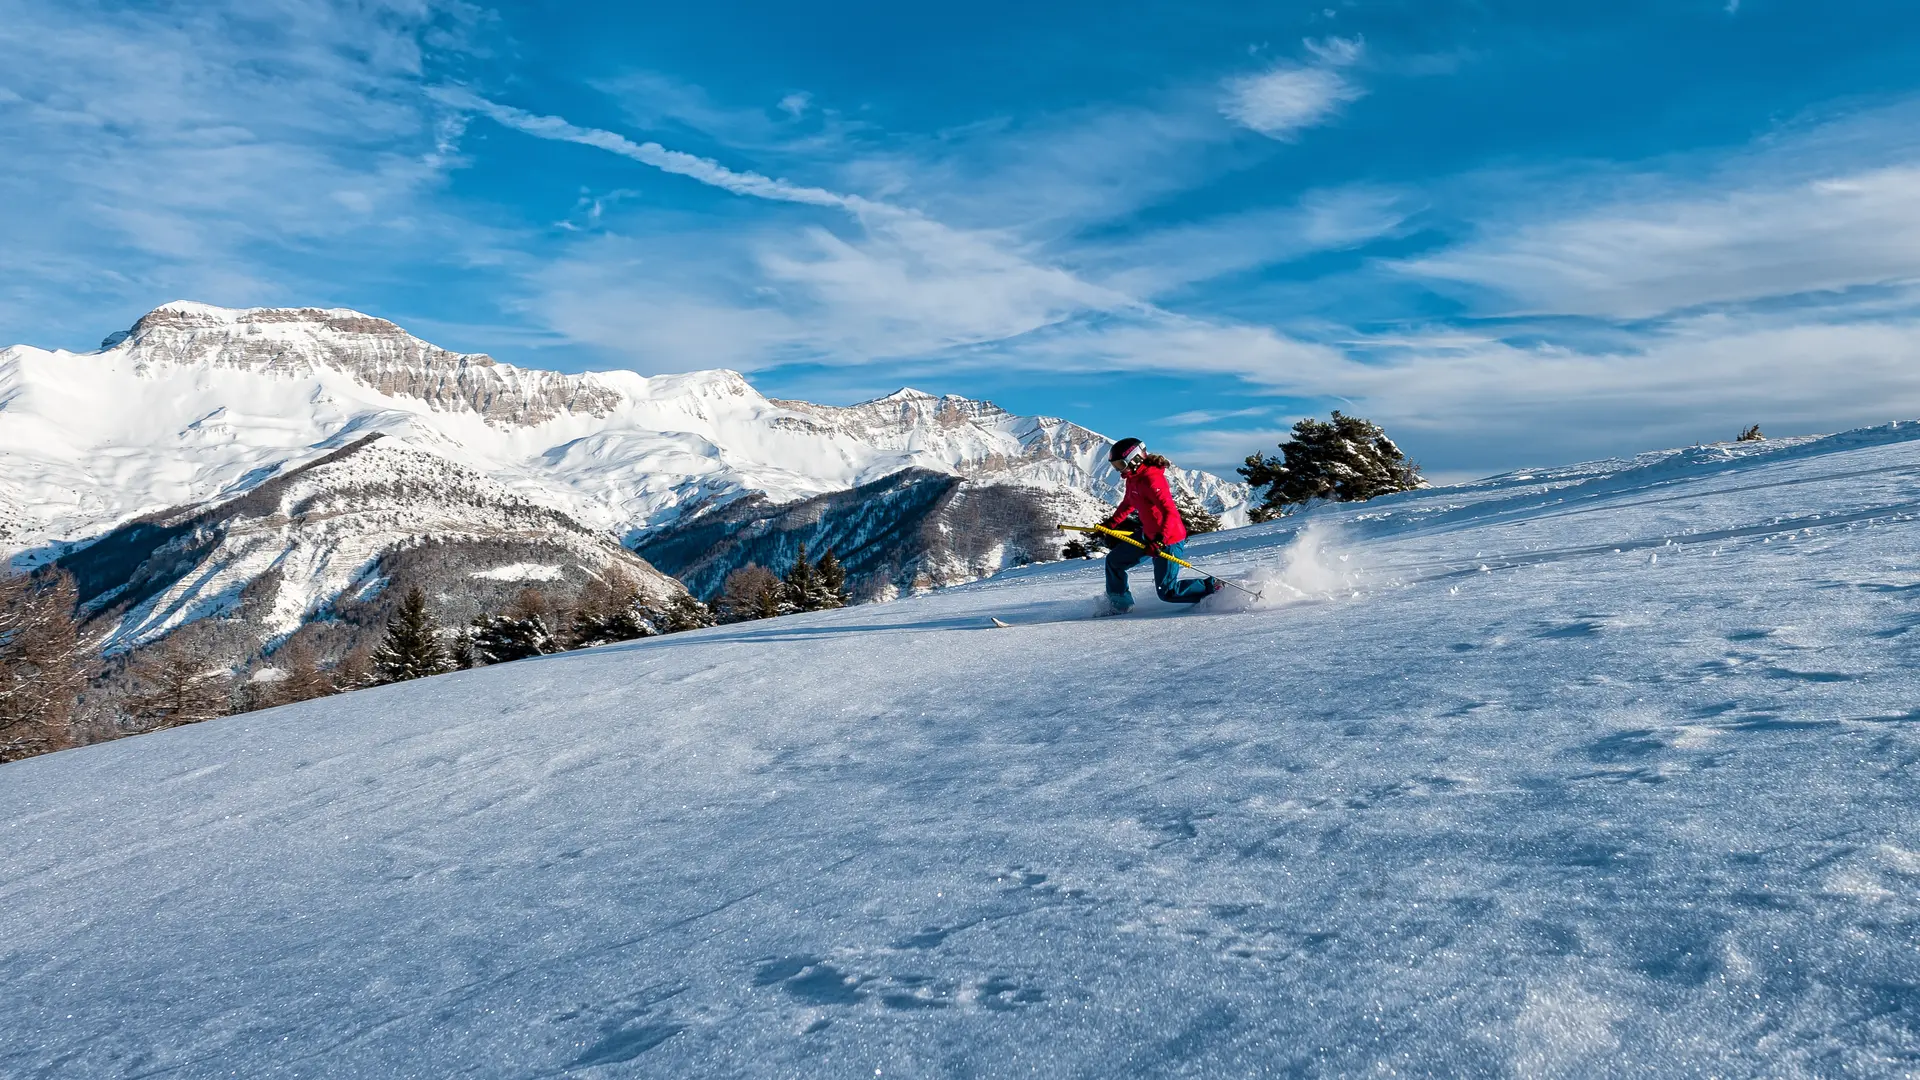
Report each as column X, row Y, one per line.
column 374, row 352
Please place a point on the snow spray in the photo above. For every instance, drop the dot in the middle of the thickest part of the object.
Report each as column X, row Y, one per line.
column 1312, row 568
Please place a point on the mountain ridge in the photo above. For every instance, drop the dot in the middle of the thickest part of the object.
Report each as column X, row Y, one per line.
column 195, row 408
column 622, row 451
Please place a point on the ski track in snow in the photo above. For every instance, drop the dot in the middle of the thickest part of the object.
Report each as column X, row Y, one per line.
column 1567, row 774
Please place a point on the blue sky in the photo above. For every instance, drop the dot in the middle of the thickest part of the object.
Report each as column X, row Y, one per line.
column 1515, row 234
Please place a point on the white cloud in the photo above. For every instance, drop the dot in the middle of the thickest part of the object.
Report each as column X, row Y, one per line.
column 1220, row 450
column 893, row 285
column 1159, row 341
column 1053, row 174
column 910, row 285
column 656, row 101
column 678, row 163
column 652, row 99
column 606, row 297
column 1646, row 257
column 1196, row 417
column 895, row 282
column 1154, row 262
column 1336, row 51
column 1291, row 98
column 1285, row 101
column 1701, row 374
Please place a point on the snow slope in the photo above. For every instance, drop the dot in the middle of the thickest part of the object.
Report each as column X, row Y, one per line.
column 1603, row 770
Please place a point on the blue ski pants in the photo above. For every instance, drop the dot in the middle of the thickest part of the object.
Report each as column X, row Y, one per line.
column 1122, row 557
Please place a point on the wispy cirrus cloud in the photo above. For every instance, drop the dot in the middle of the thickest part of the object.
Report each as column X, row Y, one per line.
column 1054, row 175
column 792, row 125
column 889, row 282
column 894, row 286
column 164, row 163
column 1640, row 258
column 1692, row 381
column 1817, row 208
column 1285, row 100
column 1195, row 417
column 652, row 154
column 1152, row 262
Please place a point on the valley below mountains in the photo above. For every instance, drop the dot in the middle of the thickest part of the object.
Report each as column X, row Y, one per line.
column 269, row 472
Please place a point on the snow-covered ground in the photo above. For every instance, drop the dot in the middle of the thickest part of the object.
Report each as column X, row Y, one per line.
column 1605, row 770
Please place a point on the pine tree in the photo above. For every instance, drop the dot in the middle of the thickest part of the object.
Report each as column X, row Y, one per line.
column 683, row 612
column 1752, row 434
column 411, row 649
column 611, row 608
column 799, row 590
column 590, row 628
column 1076, row 549
column 772, row 602
column 1347, row 460
column 830, row 584
column 180, row 683
column 43, row 665
column 461, row 651
column 500, row 639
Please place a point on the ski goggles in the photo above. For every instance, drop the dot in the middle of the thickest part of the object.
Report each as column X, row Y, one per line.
column 1130, row 460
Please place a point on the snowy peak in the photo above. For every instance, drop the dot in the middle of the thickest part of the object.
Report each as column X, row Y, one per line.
column 374, row 352
column 950, row 433
column 706, row 397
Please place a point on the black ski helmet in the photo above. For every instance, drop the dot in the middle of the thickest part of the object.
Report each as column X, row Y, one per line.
column 1126, row 453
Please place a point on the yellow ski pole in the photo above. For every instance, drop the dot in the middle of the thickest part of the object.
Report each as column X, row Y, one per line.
column 1118, row 535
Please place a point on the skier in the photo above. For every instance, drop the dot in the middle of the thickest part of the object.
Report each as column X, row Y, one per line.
column 1151, row 516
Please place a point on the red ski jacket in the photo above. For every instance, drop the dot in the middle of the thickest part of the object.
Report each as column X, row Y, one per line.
column 1149, row 496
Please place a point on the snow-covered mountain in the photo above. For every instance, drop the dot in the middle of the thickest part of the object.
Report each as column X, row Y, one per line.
column 196, row 405
column 1607, row 770
column 312, row 540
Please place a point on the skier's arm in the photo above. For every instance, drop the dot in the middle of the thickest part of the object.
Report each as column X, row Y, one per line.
column 1155, row 518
